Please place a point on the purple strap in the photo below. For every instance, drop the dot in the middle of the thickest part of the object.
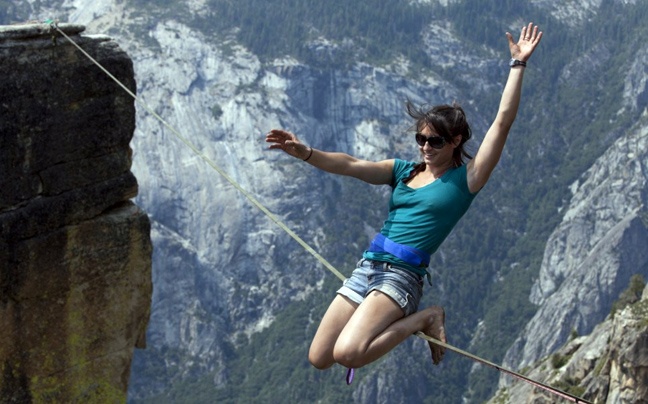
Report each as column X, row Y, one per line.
column 408, row 254
column 350, row 374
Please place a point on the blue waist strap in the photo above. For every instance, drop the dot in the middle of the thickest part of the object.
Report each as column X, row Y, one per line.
column 408, row 254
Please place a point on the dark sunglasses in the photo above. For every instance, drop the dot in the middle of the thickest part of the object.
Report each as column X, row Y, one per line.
column 436, row 142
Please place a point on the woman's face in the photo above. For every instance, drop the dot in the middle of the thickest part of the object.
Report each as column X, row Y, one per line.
column 441, row 154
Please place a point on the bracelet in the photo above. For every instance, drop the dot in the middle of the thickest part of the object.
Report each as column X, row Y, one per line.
column 309, row 154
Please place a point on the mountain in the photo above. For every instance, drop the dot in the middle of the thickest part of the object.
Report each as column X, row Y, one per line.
column 544, row 251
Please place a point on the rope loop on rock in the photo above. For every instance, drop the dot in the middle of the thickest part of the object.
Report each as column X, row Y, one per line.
column 53, row 24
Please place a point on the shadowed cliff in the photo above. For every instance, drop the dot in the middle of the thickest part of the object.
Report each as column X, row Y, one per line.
column 75, row 252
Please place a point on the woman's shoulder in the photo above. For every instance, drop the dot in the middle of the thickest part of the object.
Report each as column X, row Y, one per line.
column 402, row 168
column 459, row 176
column 403, row 164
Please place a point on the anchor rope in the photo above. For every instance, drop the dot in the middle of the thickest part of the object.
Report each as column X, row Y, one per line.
column 54, row 27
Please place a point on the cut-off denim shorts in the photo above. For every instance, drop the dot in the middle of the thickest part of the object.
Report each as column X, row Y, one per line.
column 402, row 286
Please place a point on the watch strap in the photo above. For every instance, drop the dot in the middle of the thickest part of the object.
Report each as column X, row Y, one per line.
column 515, row 62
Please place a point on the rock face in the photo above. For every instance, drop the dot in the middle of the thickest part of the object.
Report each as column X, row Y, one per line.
column 591, row 256
column 75, row 252
column 608, row 366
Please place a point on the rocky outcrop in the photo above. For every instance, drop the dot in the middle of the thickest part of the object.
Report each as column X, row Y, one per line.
column 610, row 365
column 75, row 252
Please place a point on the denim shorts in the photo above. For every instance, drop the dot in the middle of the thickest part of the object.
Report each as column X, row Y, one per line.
column 401, row 285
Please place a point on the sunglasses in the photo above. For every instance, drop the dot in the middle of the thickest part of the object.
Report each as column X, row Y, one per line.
column 436, row 142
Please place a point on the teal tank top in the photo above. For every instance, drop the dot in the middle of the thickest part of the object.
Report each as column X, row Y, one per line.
column 422, row 218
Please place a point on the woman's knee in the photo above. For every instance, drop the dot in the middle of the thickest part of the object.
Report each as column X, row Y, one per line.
column 348, row 355
column 320, row 358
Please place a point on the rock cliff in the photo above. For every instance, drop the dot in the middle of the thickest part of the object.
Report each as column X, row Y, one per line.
column 591, row 256
column 610, row 365
column 75, row 252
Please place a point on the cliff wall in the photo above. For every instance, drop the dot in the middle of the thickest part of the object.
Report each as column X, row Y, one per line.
column 75, row 252
column 606, row 366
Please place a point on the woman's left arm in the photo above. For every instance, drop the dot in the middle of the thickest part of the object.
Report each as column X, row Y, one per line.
column 488, row 155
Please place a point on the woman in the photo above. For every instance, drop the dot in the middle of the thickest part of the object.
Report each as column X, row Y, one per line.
column 376, row 308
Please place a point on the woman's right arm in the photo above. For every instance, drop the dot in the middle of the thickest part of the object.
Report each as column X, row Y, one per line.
column 377, row 173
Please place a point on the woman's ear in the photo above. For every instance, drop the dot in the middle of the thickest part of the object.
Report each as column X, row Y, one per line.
column 456, row 140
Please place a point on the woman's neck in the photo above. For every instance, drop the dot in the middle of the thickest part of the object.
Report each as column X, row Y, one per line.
column 438, row 170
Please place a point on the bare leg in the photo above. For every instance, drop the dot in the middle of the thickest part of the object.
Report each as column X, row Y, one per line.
column 335, row 319
column 378, row 325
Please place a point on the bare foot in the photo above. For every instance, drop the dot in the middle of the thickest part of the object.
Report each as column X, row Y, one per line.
column 436, row 330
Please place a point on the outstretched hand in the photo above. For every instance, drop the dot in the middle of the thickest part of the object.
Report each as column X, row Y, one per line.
column 287, row 142
column 529, row 39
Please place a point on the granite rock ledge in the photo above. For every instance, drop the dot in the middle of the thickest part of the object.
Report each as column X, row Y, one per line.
column 75, row 251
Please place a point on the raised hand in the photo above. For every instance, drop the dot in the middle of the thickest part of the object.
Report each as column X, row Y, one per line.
column 288, row 142
column 529, row 38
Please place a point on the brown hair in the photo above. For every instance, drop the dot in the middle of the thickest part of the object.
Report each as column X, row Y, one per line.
column 447, row 121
